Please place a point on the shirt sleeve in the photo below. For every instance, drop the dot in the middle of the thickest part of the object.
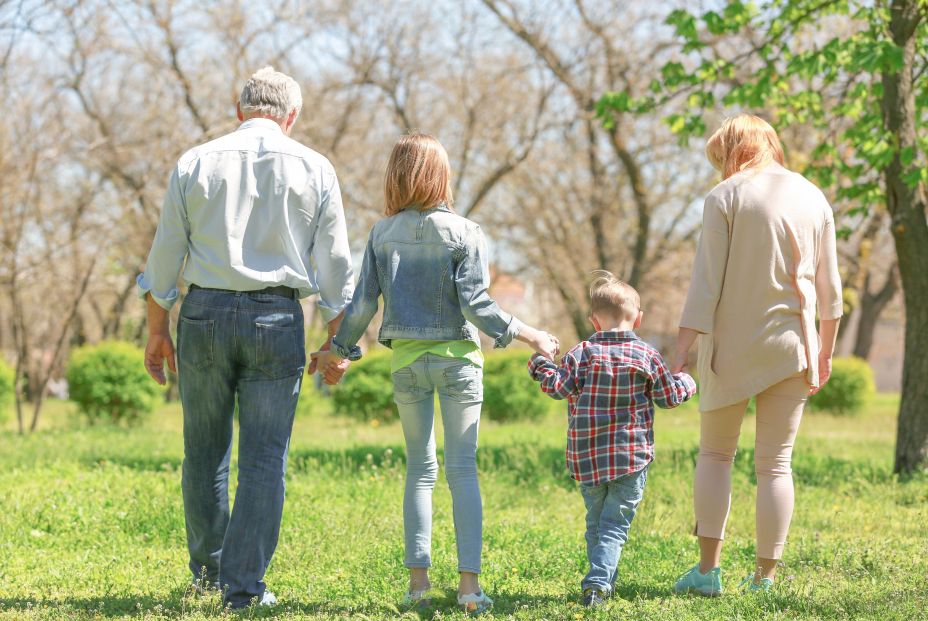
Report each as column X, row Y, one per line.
column 827, row 279
column 169, row 248
column 708, row 268
column 668, row 390
column 331, row 255
column 472, row 278
column 556, row 381
column 361, row 309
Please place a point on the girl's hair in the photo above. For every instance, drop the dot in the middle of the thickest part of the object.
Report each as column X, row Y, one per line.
column 743, row 142
column 418, row 173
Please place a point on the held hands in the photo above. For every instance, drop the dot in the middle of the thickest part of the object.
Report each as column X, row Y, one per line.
column 544, row 343
column 679, row 363
column 330, row 365
column 158, row 349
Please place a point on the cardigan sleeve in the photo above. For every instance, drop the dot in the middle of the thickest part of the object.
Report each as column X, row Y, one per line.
column 827, row 278
column 708, row 268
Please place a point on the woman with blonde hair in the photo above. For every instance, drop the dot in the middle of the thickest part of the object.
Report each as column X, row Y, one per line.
column 765, row 262
column 430, row 265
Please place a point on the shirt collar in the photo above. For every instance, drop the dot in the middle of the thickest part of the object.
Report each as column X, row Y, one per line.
column 260, row 122
column 613, row 336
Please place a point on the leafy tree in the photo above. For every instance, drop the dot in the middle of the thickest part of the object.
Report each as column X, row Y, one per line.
column 855, row 74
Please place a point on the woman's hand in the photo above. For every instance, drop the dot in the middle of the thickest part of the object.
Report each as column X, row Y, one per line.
column 685, row 339
column 824, row 372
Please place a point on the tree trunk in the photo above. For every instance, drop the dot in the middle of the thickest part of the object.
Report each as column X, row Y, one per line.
column 871, row 307
column 910, row 230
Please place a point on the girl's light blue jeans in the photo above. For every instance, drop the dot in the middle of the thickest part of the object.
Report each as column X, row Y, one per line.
column 460, row 394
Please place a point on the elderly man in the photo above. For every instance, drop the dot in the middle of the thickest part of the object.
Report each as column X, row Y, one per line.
column 258, row 218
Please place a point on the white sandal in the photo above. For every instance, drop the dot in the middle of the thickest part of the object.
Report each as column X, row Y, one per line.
column 475, row 603
column 416, row 598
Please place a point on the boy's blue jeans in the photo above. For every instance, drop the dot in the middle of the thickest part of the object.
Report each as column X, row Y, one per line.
column 610, row 508
column 249, row 346
column 460, row 394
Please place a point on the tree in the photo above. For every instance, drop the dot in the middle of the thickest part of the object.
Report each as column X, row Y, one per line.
column 863, row 91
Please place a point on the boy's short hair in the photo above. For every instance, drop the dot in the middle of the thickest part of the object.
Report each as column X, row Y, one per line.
column 610, row 296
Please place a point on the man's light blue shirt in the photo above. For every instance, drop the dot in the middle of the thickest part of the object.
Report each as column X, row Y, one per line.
column 250, row 210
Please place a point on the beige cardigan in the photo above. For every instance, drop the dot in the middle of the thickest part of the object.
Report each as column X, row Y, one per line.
column 766, row 258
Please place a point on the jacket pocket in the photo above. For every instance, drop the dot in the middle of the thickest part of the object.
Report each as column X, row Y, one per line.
column 195, row 342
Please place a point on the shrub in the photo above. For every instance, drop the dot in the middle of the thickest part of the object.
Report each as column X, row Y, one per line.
column 850, row 387
column 509, row 393
column 366, row 392
column 7, row 387
column 108, row 382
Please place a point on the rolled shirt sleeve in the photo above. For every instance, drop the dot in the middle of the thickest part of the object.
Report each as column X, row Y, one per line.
column 331, row 255
column 827, row 279
column 708, row 268
column 169, row 248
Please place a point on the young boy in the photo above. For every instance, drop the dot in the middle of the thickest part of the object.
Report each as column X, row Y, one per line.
column 611, row 383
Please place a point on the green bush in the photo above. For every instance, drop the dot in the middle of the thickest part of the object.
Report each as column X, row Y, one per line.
column 850, row 387
column 366, row 392
column 509, row 393
column 7, row 377
column 108, row 382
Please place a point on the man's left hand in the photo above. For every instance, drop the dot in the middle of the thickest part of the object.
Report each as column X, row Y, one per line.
column 159, row 348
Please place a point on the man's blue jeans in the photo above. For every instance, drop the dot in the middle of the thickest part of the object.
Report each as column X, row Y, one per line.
column 459, row 385
column 247, row 346
column 610, row 508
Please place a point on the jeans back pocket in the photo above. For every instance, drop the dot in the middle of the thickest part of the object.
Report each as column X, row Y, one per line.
column 279, row 348
column 463, row 382
column 195, row 342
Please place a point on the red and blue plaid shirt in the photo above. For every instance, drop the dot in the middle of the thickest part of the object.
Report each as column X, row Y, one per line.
column 611, row 384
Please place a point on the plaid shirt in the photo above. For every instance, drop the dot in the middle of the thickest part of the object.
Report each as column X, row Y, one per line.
column 611, row 384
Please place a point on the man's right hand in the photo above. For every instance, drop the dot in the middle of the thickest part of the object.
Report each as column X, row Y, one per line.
column 158, row 349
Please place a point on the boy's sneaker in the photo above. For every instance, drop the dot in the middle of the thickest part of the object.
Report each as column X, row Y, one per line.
column 748, row 585
column 708, row 584
column 475, row 603
column 593, row 598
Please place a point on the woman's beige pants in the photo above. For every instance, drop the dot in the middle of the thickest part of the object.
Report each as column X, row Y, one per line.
column 779, row 409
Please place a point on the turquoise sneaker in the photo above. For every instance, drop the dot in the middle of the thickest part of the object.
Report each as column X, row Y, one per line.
column 748, row 585
column 708, row 585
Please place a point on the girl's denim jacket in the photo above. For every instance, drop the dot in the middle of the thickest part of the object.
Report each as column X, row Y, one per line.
column 431, row 268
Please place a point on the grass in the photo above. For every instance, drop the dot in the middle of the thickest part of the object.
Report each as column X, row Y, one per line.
column 92, row 525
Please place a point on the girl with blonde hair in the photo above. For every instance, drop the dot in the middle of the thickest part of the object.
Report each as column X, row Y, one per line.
column 430, row 265
column 765, row 263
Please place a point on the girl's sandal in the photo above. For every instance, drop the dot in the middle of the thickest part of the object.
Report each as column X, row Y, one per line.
column 416, row 599
column 475, row 603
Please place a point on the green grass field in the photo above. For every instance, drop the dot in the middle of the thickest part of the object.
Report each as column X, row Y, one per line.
column 92, row 527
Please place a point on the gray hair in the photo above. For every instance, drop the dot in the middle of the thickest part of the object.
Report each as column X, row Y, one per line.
column 270, row 93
